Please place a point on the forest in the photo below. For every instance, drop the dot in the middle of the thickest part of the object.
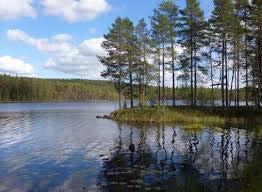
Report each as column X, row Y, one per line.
column 222, row 53
column 35, row 89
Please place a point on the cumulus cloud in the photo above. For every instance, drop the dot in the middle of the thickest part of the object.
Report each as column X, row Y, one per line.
column 92, row 47
column 64, row 56
column 75, row 10
column 13, row 66
column 41, row 44
column 62, row 37
column 69, row 10
column 14, row 9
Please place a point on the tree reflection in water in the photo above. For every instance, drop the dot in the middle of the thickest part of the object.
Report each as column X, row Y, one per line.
column 162, row 158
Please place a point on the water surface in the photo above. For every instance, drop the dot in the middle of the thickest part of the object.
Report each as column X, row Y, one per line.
column 63, row 147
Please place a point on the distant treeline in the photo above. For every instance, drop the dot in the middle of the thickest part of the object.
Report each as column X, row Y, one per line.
column 35, row 89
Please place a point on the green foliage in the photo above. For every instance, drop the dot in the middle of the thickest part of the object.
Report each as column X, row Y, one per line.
column 193, row 117
column 224, row 52
column 34, row 89
column 144, row 70
column 192, row 36
column 123, row 57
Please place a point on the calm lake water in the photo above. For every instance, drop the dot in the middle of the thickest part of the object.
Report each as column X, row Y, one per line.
column 63, row 147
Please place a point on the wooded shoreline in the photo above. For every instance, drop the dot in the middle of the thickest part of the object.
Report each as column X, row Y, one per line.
column 34, row 90
column 222, row 52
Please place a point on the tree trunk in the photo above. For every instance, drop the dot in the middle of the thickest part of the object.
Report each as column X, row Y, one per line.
column 119, row 93
column 159, row 78
column 195, row 78
column 231, row 88
column 163, row 74
column 235, row 93
column 259, row 60
column 226, row 68
column 131, row 89
column 246, row 67
column 191, row 69
column 173, row 73
column 259, row 54
column 211, row 73
column 233, row 74
column 140, row 89
column 222, row 73
column 143, row 79
column 238, row 76
column 131, row 81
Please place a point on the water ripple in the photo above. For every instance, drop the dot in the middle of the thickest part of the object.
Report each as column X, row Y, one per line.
column 61, row 147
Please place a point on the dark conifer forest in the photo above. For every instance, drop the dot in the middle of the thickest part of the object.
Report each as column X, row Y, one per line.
column 35, row 89
column 27, row 89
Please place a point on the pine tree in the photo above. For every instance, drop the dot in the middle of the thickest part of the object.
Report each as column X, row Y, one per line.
column 235, row 36
column 224, row 25
column 192, row 32
column 243, row 12
column 257, row 62
column 115, row 58
column 160, row 38
column 170, row 11
column 143, row 50
column 130, row 54
column 211, row 48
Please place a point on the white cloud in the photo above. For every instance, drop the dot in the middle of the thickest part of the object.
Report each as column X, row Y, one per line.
column 62, row 37
column 64, row 56
column 75, row 10
column 92, row 47
column 69, row 10
column 43, row 45
column 14, row 9
column 13, row 66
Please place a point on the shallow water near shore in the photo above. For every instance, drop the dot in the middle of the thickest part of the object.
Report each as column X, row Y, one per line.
column 63, row 147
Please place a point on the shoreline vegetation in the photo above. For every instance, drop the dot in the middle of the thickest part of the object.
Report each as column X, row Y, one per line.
column 194, row 117
column 38, row 90
column 222, row 52
column 24, row 89
column 53, row 101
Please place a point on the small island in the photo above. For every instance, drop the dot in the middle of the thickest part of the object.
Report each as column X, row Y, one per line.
column 208, row 115
column 210, row 64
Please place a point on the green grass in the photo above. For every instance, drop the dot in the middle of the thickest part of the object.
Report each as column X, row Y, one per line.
column 191, row 116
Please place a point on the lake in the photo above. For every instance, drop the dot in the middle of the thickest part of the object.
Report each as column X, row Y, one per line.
column 63, row 147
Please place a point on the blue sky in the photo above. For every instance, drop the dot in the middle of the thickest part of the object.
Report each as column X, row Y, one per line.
column 61, row 38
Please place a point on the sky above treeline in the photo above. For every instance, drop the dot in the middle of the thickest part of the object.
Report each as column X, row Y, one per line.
column 61, row 38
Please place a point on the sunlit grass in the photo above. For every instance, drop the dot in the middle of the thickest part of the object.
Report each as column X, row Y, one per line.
column 192, row 118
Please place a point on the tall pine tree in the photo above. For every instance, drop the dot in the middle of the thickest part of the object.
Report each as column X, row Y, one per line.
column 121, row 58
column 224, row 26
column 143, row 49
column 257, row 62
column 192, row 33
column 159, row 24
column 170, row 11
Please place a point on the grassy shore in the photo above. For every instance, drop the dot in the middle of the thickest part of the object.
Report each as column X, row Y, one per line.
column 186, row 114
